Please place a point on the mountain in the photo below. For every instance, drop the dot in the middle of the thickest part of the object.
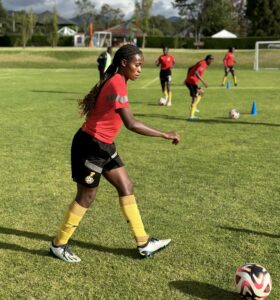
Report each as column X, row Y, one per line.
column 173, row 19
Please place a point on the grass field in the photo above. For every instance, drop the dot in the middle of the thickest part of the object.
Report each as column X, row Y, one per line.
column 215, row 194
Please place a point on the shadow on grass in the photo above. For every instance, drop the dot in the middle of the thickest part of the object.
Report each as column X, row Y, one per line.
column 203, row 290
column 18, row 248
column 160, row 116
column 236, row 122
column 54, row 92
column 210, row 121
column 248, row 231
column 132, row 253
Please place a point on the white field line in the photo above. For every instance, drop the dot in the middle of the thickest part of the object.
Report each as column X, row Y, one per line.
column 150, row 82
column 218, row 88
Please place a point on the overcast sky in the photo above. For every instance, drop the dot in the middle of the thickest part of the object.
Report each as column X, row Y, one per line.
column 68, row 9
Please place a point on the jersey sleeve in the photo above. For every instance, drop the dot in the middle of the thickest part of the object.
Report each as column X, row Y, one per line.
column 118, row 94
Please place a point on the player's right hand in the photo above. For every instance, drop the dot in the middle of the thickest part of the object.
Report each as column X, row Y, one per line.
column 174, row 136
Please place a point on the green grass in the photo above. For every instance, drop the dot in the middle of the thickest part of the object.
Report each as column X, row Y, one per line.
column 215, row 194
column 86, row 57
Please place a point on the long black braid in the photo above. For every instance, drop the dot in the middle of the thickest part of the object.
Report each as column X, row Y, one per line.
column 124, row 52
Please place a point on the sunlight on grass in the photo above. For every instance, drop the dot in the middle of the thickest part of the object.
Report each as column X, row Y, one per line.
column 215, row 194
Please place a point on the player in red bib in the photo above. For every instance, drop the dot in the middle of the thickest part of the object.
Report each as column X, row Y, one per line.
column 166, row 63
column 229, row 62
column 194, row 75
column 93, row 153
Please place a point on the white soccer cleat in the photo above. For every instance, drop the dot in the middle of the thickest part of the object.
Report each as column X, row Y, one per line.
column 152, row 246
column 64, row 253
column 194, row 118
column 169, row 104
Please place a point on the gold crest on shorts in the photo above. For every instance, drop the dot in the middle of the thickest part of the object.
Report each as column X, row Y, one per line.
column 89, row 179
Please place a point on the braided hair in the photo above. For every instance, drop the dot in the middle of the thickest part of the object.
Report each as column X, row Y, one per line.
column 125, row 52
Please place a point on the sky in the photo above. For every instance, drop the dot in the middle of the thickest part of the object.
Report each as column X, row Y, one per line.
column 68, row 9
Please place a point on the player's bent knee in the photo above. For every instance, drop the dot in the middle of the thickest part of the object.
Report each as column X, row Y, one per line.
column 85, row 197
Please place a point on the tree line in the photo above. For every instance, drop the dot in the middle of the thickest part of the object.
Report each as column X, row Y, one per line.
column 196, row 18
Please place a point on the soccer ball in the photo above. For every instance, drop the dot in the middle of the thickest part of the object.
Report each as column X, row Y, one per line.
column 234, row 114
column 253, row 281
column 162, row 101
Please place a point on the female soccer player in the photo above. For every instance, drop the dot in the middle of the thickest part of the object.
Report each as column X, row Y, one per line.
column 93, row 153
column 229, row 62
column 166, row 62
column 194, row 75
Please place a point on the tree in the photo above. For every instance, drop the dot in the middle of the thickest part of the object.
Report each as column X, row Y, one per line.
column 191, row 10
column 109, row 16
column 264, row 17
column 217, row 14
column 160, row 26
column 3, row 18
column 86, row 11
column 207, row 16
column 239, row 7
column 52, row 28
column 27, row 24
column 141, row 16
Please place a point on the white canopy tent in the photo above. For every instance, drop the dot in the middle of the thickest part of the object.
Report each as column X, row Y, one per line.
column 224, row 34
column 66, row 31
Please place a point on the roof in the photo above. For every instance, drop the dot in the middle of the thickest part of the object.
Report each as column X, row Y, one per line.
column 66, row 31
column 224, row 34
column 125, row 29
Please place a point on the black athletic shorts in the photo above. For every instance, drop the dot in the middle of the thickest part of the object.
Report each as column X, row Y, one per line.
column 193, row 89
column 90, row 158
column 165, row 75
column 229, row 69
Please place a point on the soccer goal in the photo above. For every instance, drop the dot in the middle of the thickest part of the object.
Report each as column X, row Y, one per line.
column 267, row 55
column 102, row 39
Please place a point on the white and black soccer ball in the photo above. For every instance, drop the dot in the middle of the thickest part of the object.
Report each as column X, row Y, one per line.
column 252, row 281
column 234, row 114
column 162, row 101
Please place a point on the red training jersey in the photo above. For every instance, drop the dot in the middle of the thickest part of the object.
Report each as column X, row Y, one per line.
column 200, row 67
column 229, row 59
column 166, row 62
column 104, row 122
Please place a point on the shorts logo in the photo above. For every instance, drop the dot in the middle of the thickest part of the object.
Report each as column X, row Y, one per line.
column 89, row 179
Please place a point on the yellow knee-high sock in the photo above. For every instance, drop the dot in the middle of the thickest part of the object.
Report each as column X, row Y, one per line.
column 71, row 221
column 165, row 94
column 198, row 98
column 224, row 80
column 194, row 105
column 193, row 108
column 235, row 79
column 132, row 215
column 170, row 96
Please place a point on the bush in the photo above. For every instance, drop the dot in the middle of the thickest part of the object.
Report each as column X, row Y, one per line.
column 66, row 41
column 11, row 40
column 5, row 41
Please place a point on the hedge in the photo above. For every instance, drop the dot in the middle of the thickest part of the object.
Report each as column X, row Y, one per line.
column 151, row 42
column 207, row 43
column 14, row 40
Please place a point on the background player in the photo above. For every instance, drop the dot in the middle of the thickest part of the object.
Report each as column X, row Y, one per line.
column 104, row 61
column 194, row 75
column 229, row 62
column 93, row 153
column 166, row 62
